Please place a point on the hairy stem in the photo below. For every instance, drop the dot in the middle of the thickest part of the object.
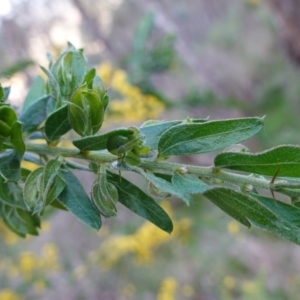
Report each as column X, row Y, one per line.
column 154, row 166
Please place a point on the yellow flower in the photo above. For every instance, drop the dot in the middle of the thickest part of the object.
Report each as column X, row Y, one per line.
column 167, row 289
column 49, row 258
column 45, row 227
column 142, row 243
column 8, row 294
column 27, row 264
column 229, row 282
column 233, row 227
column 133, row 106
column 105, row 71
column 249, row 287
column 10, row 238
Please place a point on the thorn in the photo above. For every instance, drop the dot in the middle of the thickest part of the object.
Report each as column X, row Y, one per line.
column 271, row 184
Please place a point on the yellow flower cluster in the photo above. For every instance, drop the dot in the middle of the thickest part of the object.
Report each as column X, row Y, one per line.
column 8, row 294
column 134, row 105
column 167, row 289
column 142, row 243
column 29, row 265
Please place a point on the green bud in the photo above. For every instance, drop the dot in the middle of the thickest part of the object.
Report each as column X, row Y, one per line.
column 85, row 111
column 104, row 196
column 7, row 118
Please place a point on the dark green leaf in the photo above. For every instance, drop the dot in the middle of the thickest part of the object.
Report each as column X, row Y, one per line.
column 286, row 212
column 189, row 184
column 11, row 220
column 285, row 158
column 140, row 203
column 58, row 205
column 11, row 194
column 276, row 217
column 7, row 118
column 17, row 139
column 36, row 91
column 98, row 142
column 154, row 129
column 221, row 198
column 36, row 113
column 19, row 221
column 192, row 138
column 10, row 165
column 57, row 124
column 75, row 199
column 28, row 220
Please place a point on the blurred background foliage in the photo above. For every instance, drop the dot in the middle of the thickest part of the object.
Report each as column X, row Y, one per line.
column 160, row 59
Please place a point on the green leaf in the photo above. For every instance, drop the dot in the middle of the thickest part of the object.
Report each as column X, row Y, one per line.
column 154, row 129
column 31, row 192
column 16, row 139
column 19, row 221
column 98, row 142
column 88, row 78
column 140, row 203
column 166, row 186
column 57, row 124
column 11, row 220
column 53, row 183
column 11, row 194
column 29, row 221
column 10, row 165
column 221, row 198
column 285, row 158
column 53, row 85
column 36, row 91
column 189, row 184
column 73, row 72
column 36, row 113
column 274, row 216
column 287, row 213
column 98, row 87
column 75, row 199
column 192, row 138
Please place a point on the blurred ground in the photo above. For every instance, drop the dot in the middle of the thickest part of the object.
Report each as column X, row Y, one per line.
column 229, row 62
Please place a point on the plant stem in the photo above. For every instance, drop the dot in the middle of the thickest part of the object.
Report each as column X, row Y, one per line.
column 154, row 166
